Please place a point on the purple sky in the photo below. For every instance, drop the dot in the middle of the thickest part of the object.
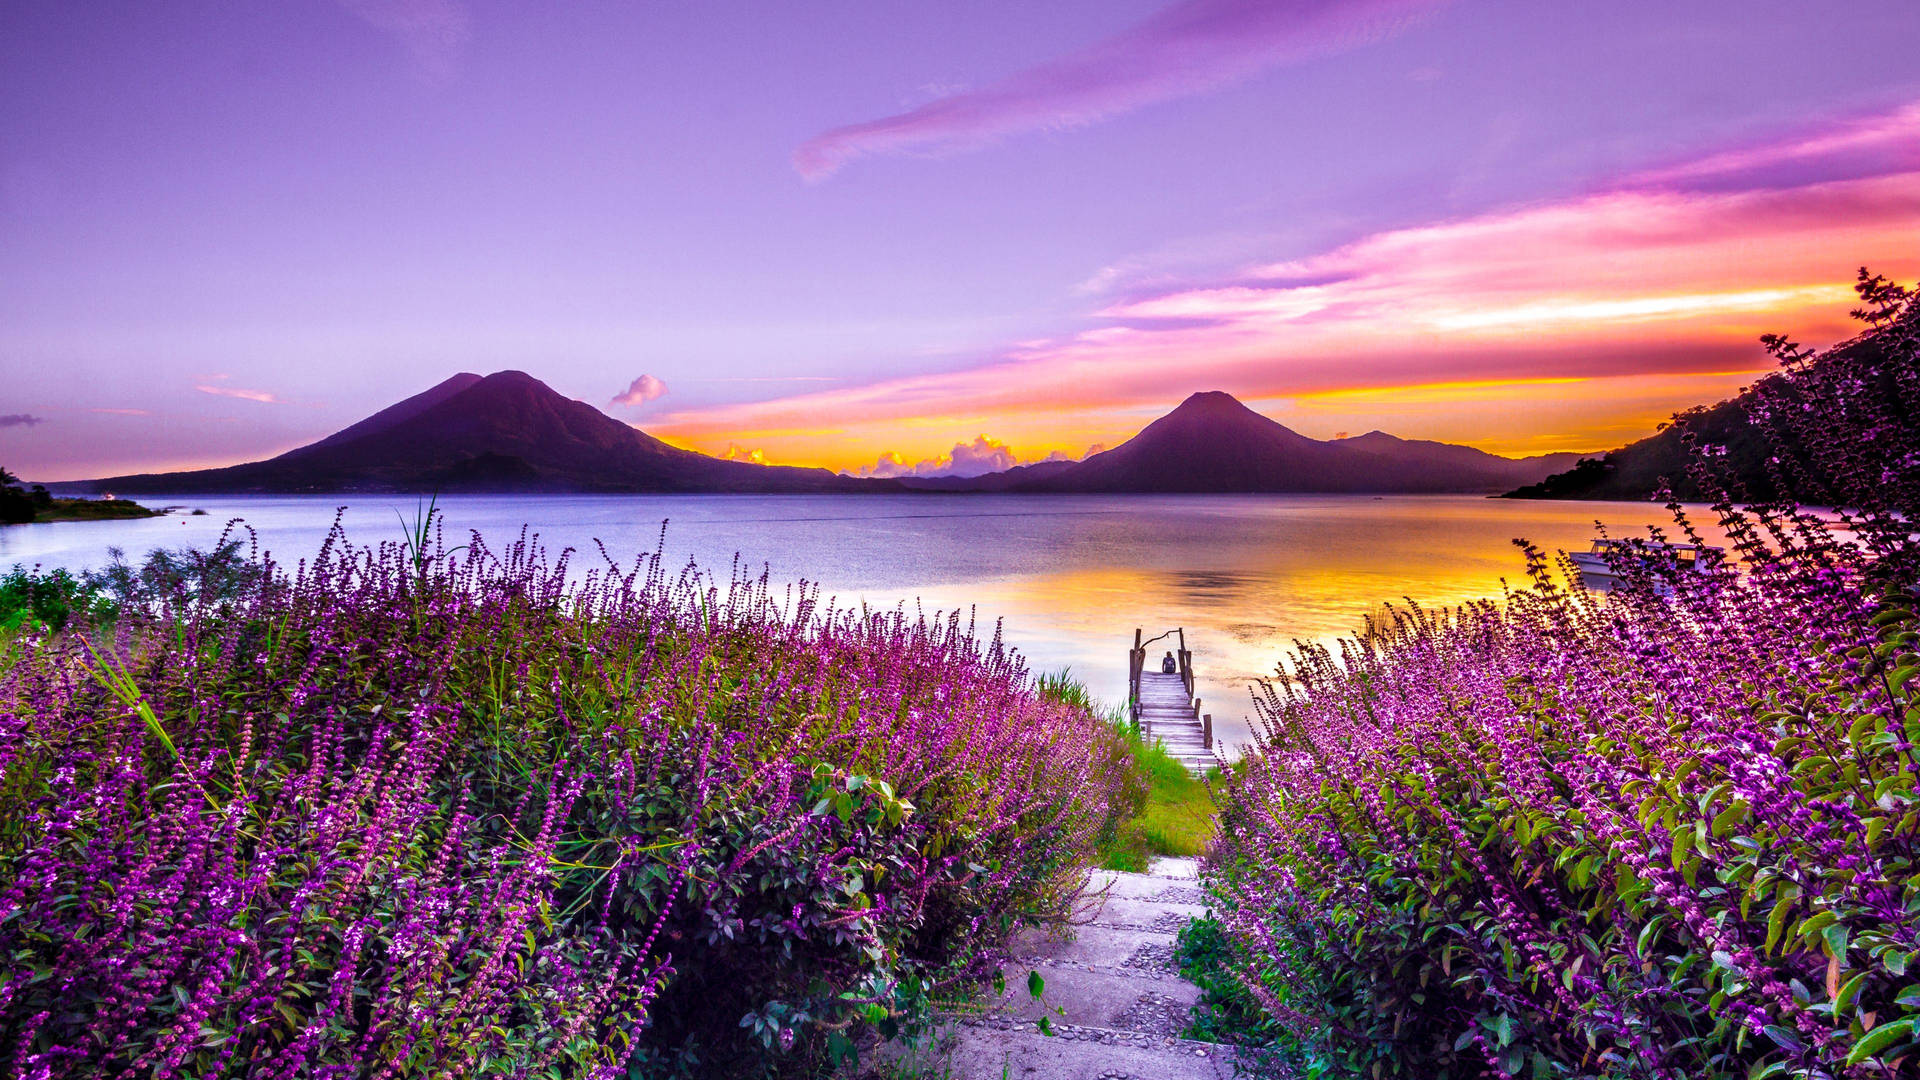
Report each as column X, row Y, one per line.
column 229, row 228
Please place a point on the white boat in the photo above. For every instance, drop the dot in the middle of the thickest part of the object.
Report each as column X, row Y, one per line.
column 1608, row 563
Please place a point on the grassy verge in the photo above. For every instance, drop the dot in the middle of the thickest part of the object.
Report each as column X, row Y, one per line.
column 1177, row 818
column 1173, row 811
column 1227, row 1011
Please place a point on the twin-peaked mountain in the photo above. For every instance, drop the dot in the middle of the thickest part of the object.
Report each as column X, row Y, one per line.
column 1213, row 443
column 511, row 432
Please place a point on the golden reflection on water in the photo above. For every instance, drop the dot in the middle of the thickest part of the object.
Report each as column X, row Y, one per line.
column 1247, row 580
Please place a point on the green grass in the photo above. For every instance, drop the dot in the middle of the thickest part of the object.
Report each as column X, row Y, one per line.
column 1178, row 818
column 1178, row 814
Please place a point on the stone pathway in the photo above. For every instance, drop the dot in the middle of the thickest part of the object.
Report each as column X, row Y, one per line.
column 1113, row 998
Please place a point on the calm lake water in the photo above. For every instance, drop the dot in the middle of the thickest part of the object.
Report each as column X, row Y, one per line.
column 1071, row 576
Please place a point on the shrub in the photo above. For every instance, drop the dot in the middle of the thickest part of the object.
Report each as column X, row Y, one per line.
column 463, row 813
column 34, row 599
column 172, row 578
column 1667, row 834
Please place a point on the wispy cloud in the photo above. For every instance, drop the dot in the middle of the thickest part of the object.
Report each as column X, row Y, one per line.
column 761, row 379
column 434, row 32
column 640, row 391
column 1885, row 144
column 122, row 412
column 20, row 419
column 262, row 396
column 1188, row 48
column 1662, row 279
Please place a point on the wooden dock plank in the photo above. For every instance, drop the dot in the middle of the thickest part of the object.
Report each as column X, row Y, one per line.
column 1168, row 715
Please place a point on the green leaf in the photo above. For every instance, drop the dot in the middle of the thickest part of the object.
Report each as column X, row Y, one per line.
column 1728, row 818
column 1035, row 984
column 1776, row 923
column 1503, row 1028
column 1880, row 1038
column 1845, row 998
column 1836, row 938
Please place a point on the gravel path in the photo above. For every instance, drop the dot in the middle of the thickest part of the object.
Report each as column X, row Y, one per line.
column 1114, row 1000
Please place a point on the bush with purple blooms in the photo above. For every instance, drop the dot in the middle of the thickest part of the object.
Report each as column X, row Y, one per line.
column 412, row 811
column 1671, row 833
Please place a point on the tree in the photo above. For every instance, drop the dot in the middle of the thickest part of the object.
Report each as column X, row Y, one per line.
column 16, row 506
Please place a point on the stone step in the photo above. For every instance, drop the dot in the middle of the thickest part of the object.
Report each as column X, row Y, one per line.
column 1097, row 999
column 1141, row 954
column 1164, row 874
column 984, row 1050
column 1173, row 868
column 1129, row 913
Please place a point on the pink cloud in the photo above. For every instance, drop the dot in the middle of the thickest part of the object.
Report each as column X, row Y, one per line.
column 1880, row 145
column 123, row 412
column 642, row 390
column 262, row 396
column 1659, row 277
column 1188, row 48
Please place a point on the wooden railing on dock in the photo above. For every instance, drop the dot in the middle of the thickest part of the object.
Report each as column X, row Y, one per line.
column 1162, row 706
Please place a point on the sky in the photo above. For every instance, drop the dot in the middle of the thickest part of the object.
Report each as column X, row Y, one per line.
column 930, row 237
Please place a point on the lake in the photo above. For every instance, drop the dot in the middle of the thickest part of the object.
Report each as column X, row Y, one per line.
column 1071, row 576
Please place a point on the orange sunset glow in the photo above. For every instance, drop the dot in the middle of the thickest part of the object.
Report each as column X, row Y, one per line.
column 1569, row 325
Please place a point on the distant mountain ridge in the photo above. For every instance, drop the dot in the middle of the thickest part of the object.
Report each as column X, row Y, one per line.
column 503, row 432
column 510, row 432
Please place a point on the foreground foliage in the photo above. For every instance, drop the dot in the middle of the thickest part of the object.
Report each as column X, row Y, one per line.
column 1669, row 834
column 418, row 811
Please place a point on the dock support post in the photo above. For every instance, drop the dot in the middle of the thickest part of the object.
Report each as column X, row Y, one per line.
column 1206, row 730
column 1136, row 660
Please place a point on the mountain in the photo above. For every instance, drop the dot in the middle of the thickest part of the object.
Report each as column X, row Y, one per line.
column 505, row 432
column 1640, row 470
column 511, row 432
column 1213, row 443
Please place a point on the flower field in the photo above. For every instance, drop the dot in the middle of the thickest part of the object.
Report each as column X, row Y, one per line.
column 412, row 810
column 1669, row 833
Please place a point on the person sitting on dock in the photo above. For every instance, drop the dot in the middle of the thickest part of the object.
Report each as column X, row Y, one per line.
column 1167, row 666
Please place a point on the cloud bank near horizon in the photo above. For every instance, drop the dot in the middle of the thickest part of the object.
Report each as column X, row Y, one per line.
column 1185, row 49
column 1664, row 278
column 983, row 455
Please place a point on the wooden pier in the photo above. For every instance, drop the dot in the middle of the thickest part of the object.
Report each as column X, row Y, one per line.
column 1162, row 703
